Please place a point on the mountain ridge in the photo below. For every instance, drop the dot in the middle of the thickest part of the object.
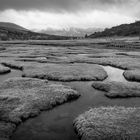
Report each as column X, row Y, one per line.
column 11, row 31
column 132, row 29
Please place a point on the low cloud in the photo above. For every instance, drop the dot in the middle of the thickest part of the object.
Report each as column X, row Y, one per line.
column 42, row 20
column 40, row 14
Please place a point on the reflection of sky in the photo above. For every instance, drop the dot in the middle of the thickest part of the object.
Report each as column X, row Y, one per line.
column 114, row 74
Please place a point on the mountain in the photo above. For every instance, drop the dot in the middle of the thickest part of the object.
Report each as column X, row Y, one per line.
column 11, row 31
column 79, row 32
column 11, row 26
column 132, row 29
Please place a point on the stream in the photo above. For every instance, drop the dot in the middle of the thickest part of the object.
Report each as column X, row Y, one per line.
column 57, row 124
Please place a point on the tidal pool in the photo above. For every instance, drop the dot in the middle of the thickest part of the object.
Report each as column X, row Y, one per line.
column 57, row 124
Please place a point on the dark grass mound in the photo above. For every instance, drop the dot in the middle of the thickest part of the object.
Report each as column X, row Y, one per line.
column 4, row 70
column 63, row 72
column 21, row 98
column 132, row 75
column 109, row 123
column 6, row 130
column 118, row 89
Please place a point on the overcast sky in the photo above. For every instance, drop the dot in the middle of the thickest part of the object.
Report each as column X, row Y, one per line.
column 63, row 14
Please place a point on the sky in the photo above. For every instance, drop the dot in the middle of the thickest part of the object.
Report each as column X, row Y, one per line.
column 65, row 14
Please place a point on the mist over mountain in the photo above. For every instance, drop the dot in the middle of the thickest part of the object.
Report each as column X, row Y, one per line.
column 11, row 31
column 79, row 32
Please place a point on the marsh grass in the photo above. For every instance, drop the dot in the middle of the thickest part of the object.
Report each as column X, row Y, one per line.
column 132, row 75
column 13, row 65
column 69, row 72
column 118, row 89
column 109, row 123
column 4, row 70
column 21, row 98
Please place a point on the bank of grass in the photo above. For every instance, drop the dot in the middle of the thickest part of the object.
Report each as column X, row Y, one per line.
column 109, row 123
column 4, row 70
column 69, row 72
column 132, row 75
column 21, row 98
column 118, row 89
column 125, row 63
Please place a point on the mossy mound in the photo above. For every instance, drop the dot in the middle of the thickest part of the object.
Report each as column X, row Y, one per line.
column 109, row 123
column 21, row 98
column 132, row 75
column 63, row 72
column 118, row 89
column 4, row 70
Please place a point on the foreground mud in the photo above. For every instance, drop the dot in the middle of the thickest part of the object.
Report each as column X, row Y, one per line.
column 21, row 98
column 109, row 123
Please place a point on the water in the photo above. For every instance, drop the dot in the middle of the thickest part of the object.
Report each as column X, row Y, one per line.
column 13, row 73
column 114, row 74
column 57, row 124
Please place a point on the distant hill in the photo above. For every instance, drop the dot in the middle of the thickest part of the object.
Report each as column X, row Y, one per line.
column 11, row 26
column 11, row 31
column 132, row 29
column 79, row 32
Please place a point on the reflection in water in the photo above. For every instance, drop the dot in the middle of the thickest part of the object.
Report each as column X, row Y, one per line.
column 114, row 74
column 57, row 124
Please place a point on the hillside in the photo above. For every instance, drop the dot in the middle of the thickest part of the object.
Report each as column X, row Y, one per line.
column 11, row 31
column 132, row 29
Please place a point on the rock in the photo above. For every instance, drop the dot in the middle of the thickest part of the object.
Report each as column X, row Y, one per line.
column 109, row 123
column 132, row 75
column 69, row 72
column 21, row 98
column 4, row 70
column 118, row 89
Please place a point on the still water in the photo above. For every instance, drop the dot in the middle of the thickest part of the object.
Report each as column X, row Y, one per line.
column 57, row 124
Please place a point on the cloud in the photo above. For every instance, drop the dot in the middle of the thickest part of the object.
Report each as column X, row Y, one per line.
column 65, row 5
column 40, row 14
column 41, row 20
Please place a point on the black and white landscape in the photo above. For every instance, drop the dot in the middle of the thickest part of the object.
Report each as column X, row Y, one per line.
column 69, row 70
